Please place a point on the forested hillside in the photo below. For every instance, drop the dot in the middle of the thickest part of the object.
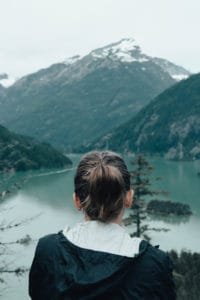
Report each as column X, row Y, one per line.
column 20, row 153
column 186, row 274
column 169, row 125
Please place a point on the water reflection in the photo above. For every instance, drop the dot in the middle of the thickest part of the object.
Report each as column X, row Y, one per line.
column 169, row 219
column 53, row 190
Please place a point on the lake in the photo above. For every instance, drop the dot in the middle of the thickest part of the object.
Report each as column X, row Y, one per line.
column 44, row 205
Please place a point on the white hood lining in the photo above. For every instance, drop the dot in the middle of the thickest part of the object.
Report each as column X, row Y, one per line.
column 98, row 236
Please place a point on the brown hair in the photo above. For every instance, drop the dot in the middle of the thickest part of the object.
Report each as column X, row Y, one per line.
column 101, row 182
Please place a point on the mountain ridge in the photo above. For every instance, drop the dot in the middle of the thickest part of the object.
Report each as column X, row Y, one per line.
column 169, row 125
column 71, row 103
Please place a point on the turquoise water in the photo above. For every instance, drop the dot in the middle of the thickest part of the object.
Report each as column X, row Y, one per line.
column 44, row 205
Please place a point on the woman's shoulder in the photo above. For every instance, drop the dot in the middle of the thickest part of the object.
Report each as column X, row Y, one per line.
column 47, row 245
column 48, row 240
column 151, row 251
column 154, row 259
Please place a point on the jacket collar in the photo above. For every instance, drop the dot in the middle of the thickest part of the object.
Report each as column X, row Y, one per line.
column 110, row 238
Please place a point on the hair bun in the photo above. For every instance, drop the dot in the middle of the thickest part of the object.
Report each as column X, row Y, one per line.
column 101, row 181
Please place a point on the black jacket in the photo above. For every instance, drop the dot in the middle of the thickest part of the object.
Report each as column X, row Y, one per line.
column 61, row 270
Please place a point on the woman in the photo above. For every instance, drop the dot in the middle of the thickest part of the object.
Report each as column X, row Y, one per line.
column 97, row 259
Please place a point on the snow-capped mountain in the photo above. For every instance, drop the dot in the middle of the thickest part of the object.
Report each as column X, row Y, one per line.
column 125, row 50
column 6, row 80
column 128, row 51
column 73, row 102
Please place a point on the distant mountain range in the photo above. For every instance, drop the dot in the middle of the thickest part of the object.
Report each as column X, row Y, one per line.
column 20, row 153
column 169, row 125
column 73, row 102
column 6, row 80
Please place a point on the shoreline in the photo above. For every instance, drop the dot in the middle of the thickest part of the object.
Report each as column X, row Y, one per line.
column 13, row 187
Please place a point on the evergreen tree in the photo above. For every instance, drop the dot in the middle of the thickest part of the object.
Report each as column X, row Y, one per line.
column 141, row 182
column 186, row 274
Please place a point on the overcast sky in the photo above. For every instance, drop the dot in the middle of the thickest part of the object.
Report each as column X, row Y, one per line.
column 37, row 33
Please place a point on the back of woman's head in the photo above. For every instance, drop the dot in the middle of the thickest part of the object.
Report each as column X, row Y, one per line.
column 101, row 183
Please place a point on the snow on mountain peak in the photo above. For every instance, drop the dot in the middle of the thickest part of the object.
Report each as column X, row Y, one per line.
column 126, row 50
column 179, row 77
column 124, row 45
